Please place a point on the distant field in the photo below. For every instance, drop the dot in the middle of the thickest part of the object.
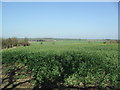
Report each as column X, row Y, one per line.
column 65, row 63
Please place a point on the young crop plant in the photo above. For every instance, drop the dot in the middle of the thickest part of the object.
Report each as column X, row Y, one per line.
column 81, row 65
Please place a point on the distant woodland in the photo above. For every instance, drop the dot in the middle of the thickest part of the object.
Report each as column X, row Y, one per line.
column 14, row 42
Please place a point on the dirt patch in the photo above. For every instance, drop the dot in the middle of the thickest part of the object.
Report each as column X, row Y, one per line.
column 15, row 78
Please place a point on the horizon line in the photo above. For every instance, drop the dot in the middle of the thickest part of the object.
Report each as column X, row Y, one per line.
column 60, row 38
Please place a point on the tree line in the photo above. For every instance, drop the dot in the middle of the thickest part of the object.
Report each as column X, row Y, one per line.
column 14, row 42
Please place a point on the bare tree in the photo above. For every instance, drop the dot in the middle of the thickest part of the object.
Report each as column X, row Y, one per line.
column 14, row 41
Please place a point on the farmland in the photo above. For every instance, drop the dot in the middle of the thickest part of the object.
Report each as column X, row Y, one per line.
column 65, row 63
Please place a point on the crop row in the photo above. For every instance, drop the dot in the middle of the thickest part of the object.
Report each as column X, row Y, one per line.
column 70, row 68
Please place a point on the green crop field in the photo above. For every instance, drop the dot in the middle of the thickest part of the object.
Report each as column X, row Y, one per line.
column 65, row 63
